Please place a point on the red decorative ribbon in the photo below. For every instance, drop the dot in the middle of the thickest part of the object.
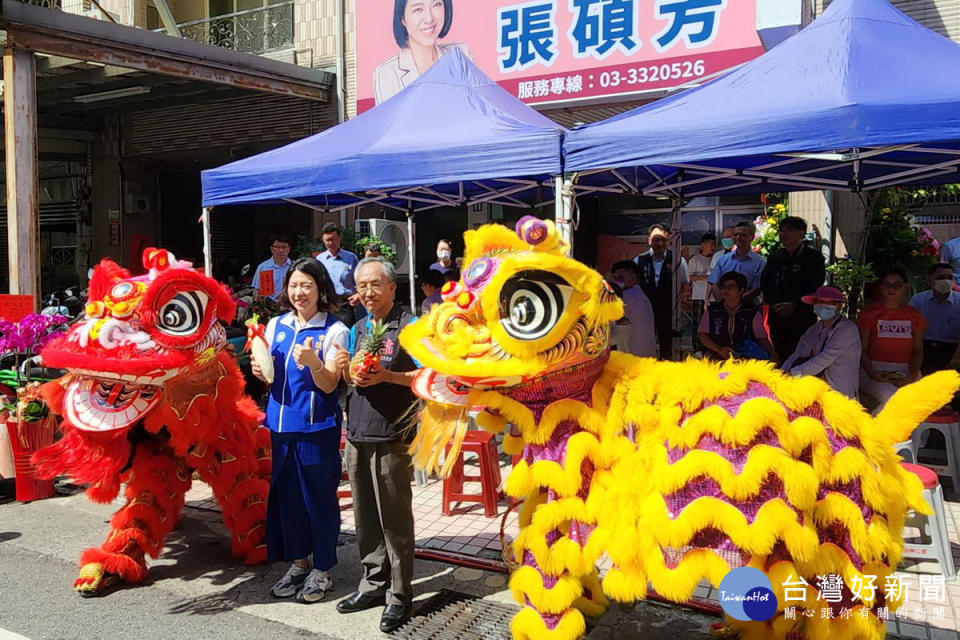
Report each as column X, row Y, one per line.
column 255, row 331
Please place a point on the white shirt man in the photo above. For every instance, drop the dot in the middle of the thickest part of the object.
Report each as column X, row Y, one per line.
column 637, row 310
column 742, row 260
column 270, row 274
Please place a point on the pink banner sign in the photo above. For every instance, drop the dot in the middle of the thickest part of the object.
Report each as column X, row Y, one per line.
column 554, row 51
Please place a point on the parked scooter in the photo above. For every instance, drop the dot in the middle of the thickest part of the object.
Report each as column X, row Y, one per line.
column 68, row 302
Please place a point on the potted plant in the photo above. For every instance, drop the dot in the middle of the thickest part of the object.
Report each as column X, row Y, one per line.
column 27, row 422
column 30, row 427
column 850, row 276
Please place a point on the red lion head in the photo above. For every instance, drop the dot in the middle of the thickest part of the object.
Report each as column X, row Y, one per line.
column 138, row 334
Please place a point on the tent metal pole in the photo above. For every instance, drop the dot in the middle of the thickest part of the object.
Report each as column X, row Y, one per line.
column 207, row 243
column 675, row 246
column 412, row 261
column 562, row 210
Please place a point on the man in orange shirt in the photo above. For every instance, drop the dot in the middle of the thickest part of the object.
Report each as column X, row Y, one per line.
column 892, row 335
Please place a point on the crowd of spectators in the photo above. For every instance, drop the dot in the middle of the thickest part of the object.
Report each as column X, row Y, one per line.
column 745, row 306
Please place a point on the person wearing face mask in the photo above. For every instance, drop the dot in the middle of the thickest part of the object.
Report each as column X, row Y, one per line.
column 940, row 307
column 636, row 310
column 830, row 349
column 726, row 246
column 445, row 262
column 743, row 259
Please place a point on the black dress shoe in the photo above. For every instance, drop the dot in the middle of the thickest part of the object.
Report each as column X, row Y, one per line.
column 394, row 615
column 357, row 601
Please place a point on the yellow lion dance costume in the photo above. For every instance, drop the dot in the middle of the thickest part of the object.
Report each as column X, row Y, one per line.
column 677, row 471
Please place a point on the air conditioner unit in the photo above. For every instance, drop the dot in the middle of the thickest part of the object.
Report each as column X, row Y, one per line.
column 391, row 234
column 137, row 198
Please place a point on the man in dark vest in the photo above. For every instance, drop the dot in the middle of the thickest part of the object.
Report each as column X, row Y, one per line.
column 791, row 273
column 732, row 327
column 377, row 461
column 656, row 280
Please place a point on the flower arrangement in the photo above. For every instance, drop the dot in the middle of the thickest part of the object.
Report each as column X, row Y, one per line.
column 767, row 239
column 31, row 334
column 263, row 308
column 896, row 241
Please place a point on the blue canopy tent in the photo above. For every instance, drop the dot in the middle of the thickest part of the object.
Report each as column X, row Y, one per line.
column 452, row 138
column 862, row 98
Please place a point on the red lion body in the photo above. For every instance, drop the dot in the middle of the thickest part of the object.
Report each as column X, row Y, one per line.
column 150, row 398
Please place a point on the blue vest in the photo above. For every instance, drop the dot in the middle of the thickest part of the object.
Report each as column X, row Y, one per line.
column 296, row 404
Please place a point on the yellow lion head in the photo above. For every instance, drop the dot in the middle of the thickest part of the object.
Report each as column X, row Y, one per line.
column 522, row 309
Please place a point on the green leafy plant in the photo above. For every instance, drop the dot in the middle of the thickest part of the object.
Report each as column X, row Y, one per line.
column 850, row 276
column 386, row 252
column 307, row 246
column 33, row 411
column 29, row 406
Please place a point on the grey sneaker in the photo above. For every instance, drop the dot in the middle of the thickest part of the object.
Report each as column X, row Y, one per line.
column 315, row 587
column 290, row 582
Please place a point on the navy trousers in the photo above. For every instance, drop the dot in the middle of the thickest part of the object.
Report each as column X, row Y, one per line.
column 303, row 513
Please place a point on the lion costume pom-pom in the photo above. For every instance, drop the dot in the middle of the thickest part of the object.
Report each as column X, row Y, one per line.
column 679, row 472
column 152, row 396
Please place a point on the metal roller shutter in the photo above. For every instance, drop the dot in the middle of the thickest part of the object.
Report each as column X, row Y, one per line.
column 943, row 16
column 226, row 123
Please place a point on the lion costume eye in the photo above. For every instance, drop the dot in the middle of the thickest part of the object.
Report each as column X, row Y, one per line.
column 183, row 314
column 531, row 304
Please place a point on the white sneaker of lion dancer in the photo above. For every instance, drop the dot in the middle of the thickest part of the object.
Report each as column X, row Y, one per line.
column 315, row 587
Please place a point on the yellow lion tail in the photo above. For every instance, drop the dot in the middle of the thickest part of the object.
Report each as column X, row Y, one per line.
column 912, row 404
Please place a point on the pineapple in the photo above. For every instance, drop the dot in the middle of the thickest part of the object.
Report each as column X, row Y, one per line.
column 367, row 356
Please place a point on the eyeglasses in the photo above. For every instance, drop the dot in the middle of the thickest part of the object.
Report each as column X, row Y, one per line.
column 371, row 286
column 280, row 247
column 893, row 285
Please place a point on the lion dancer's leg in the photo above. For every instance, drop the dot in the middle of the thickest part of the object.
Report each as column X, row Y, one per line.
column 558, row 582
column 233, row 467
column 155, row 488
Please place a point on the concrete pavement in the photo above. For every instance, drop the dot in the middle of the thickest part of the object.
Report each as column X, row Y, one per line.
column 197, row 590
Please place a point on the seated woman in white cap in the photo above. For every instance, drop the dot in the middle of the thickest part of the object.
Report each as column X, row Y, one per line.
column 830, row 349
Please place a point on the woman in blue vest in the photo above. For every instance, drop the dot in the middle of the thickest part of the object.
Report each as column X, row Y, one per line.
column 731, row 327
column 305, row 418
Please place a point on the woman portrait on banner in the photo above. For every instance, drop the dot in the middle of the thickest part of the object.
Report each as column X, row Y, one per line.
column 418, row 25
column 305, row 420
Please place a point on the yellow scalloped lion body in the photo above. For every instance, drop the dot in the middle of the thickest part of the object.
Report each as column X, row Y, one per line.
column 678, row 472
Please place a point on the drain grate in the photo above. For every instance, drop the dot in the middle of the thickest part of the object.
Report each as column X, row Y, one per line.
column 452, row 615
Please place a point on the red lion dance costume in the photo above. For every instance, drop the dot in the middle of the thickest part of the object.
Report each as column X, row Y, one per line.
column 151, row 397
